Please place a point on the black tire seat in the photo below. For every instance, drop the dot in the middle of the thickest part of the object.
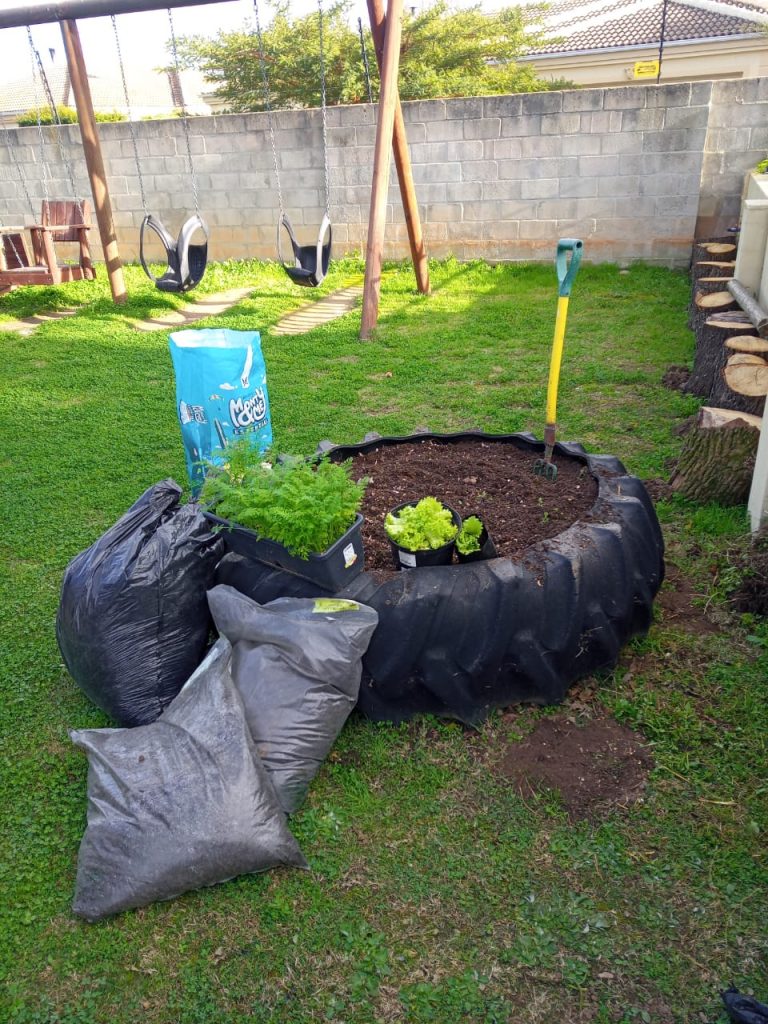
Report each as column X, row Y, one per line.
column 310, row 261
column 186, row 262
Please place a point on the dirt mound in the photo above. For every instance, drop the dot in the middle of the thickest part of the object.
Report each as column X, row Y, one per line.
column 596, row 767
column 676, row 377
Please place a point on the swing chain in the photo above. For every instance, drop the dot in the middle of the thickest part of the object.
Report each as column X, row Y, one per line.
column 54, row 118
column 325, row 118
column 184, row 115
column 268, row 105
column 17, row 165
column 131, row 126
column 41, row 137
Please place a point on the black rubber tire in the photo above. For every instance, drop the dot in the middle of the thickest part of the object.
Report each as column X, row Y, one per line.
column 456, row 641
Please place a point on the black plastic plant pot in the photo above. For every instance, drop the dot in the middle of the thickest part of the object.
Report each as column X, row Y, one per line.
column 459, row 640
column 405, row 559
column 332, row 570
column 487, row 548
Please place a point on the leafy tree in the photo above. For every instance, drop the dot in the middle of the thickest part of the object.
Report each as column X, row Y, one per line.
column 443, row 53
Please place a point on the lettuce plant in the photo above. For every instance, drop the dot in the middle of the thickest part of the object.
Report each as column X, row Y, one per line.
column 468, row 540
column 426, row 525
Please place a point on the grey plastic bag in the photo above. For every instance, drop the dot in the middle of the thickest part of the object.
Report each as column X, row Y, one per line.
column 297, row 664
column 178, row 804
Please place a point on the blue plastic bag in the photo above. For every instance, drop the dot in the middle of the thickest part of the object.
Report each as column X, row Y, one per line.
column 221, row 394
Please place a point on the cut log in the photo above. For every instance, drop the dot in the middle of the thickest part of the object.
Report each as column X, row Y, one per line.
column 746, row 379
column 709, row 417
column 757, row 315
column 719, row 301
column 709, row 361
column 746, row 359
column 708, row 295
column 733, row 321
column 745, row 343
column 716, row 263
column 717, row 248
column 717, row 459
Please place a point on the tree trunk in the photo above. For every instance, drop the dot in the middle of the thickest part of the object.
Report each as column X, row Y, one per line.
column 717, row 459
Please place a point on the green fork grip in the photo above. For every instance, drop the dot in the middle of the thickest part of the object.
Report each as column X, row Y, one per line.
column 566, row 271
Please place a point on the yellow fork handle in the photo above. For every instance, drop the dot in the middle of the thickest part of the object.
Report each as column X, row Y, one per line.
column 556, row 360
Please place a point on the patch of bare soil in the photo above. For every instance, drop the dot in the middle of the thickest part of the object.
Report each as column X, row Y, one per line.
column 658, row 489
column 676, row 601
column 676, row 377
column 491, row 479
column 595, row 768
column 752, row 593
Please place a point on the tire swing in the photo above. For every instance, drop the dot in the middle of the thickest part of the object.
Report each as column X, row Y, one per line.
column 310, row 262
column 186, row 260
column 459, row 640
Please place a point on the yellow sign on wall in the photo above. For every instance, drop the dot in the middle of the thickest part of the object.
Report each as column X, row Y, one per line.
column 646, row 69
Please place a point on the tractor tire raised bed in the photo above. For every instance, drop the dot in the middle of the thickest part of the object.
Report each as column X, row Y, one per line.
column 459, row 640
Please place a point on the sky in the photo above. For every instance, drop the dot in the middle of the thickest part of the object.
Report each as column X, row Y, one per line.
column 143, row 35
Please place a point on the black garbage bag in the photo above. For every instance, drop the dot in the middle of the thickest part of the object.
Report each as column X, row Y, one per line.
column 744, row 1009
column 179, row 804
column 133, row 621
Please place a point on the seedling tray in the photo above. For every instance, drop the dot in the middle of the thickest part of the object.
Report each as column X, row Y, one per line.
column 332, row 570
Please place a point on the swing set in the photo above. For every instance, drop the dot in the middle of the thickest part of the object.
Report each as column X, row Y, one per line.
column 186, row 255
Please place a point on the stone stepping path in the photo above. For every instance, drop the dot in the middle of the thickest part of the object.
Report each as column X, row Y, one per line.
column 314, row 314
column 308, row 316
column 28, row 324
column 208, row 305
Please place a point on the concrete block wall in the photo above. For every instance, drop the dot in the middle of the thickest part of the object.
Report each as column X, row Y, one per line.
column 737, row 139
column 501, row 178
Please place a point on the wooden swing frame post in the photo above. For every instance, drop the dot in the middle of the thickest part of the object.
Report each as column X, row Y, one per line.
column 402, row 158
column 389, row 63
column 93, row 159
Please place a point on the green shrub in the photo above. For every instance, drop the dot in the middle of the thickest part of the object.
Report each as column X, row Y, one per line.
column 305, row 507
column 762, row 167
column 421, row 527
column 66, row 115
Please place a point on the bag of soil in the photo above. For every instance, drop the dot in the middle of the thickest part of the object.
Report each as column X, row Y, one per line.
column 221, row 394
column 297, row 665
column 179, row 804
column 133, row 622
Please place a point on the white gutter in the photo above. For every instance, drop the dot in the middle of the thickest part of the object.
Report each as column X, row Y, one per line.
column 653, row 44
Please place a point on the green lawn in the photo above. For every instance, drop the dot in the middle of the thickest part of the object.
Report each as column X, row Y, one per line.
column 436, row 893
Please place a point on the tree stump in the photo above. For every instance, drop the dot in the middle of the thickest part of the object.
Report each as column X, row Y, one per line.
column 718, row 458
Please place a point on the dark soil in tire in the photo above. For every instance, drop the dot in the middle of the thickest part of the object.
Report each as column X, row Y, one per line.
column 493, row 480
column 596, row 767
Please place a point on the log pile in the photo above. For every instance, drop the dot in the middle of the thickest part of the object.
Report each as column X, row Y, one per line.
column 730, row 368
column 730, row 371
